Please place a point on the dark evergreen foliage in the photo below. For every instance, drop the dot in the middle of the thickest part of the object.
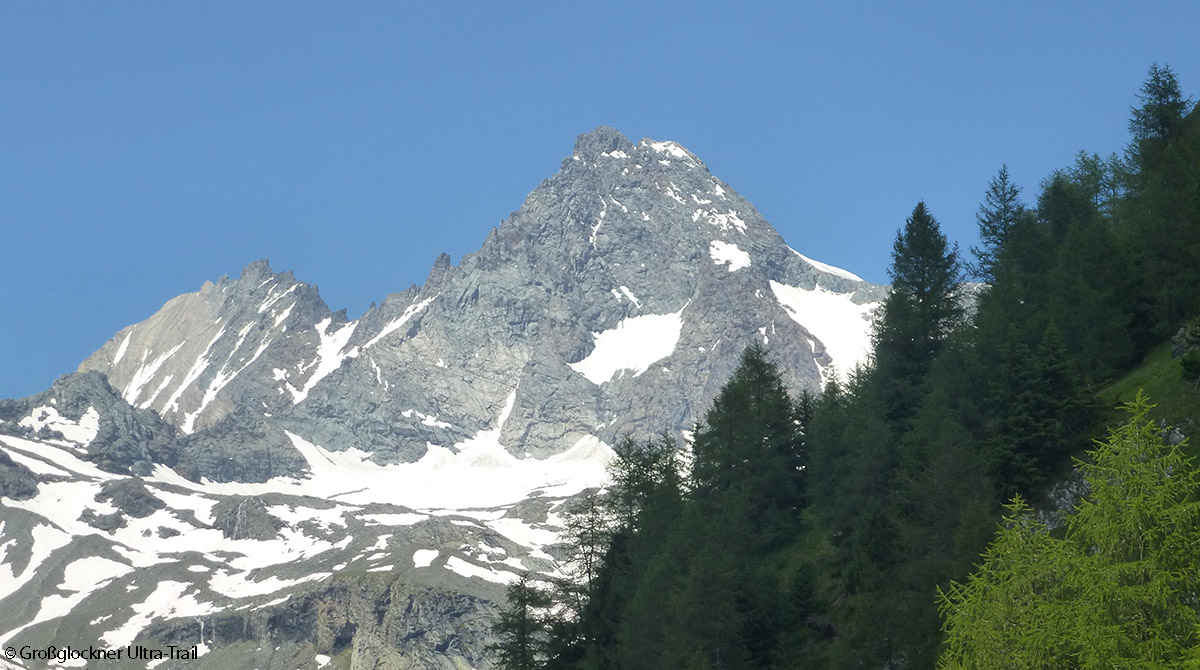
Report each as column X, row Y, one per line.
column 1163, row 106
column 922, row 309
column 522, row 627
column 815, row 533
column 1000, row 212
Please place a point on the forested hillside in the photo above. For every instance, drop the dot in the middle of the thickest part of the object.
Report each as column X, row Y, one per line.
column 817, row 531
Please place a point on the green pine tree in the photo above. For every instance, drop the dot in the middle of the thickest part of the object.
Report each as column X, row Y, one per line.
column 921, row 311
column 522, row 627
column 1162, row 110
column 747, row 453
column 1000, row 212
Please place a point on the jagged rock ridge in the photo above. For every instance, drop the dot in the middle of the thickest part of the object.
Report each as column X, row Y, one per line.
column 614, row 301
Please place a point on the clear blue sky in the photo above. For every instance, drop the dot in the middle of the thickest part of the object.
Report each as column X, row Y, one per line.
column 147, row 147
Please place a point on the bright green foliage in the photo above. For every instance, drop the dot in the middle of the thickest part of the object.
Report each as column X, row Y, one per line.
column 1007, row 614
column 1161, row 377
column 1118, row 591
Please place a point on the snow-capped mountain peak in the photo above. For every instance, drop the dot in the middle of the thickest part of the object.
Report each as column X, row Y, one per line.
column 246, row 452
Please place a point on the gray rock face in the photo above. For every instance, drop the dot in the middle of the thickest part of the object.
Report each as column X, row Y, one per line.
column 130, row 496
column 16, row 481
column 126, row 439
column 361, row 623
column 1063, row 499
column 239, row 517
column 242, row 446
column 202, row 354
column 105, row 522
column 1185, row 340
column 615, row 301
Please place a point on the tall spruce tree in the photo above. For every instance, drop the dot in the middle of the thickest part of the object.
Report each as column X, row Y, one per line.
column 706, row 595
column 1163, row 106
column 922, row 309
column 748, row 450
column 1000, row 212
column 522, row 627
column 1163, row 210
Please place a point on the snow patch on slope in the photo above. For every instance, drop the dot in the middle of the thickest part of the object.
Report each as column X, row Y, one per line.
column 81, row 432
column 145, row 373
column 409, row 313
column 192, row 375
column 466, row 569
column 841, row 325
column 223, row 377
column 724, row 220
column 423, row 558
column 632, row 298
column 724, row 252
column 81, row 579
column 46, row 540
column 169, row 599
column 669, row 148
column 121, row 350
column 823, row 267
column 330, row 355
column 634, row 345
column 477, row 473
column 60, row 457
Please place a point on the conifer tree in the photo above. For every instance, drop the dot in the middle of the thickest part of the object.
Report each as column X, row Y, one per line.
column 643, row 473
column 1163, row 208
column 587, row 534
column 1043, row 412
column 920, row 312
column 522, row 627
column 748, row 450
column 1117, row 591
column 1163, row 107
column 1000, row 212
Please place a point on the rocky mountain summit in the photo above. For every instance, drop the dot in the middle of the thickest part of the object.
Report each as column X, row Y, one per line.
column 286, row 487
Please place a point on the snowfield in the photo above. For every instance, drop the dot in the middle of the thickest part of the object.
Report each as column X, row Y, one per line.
column 332, row 520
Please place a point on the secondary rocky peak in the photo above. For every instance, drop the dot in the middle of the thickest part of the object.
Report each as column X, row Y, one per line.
column 437, row 273
column 204, row 353
column 257, row 271
column 600, row 140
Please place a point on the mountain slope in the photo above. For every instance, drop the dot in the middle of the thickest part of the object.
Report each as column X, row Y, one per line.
column 615, row 300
